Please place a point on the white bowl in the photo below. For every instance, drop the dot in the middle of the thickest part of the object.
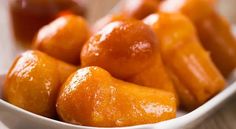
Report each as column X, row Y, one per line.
column 17, row 118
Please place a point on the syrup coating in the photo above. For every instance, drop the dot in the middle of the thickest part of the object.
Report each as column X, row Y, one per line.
column 196, row 77
column 63, row 38
column 33, row 81
column 213, row 30
column 128, row 50
column 92, row 97
column 124, row 48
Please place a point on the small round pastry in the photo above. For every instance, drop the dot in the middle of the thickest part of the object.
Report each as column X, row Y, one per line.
column 124, row 48
column 92, row 97
column 63, row 38
column 33, row 82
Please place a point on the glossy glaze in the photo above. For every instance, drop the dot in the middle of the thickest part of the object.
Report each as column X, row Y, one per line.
column 63, row 38
column 139, row 8
column 129, row 51
column 33, row 81
column 93, row 97
column 214, row 31
column 196, row 77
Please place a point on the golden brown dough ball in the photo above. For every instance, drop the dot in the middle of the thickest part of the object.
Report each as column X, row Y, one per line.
column 63, row 38
column 123, row 48
column 33, row 82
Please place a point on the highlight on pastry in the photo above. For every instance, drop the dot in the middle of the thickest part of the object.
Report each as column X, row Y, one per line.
column 63, row 38
column 33, row 82
column 92, row 97
column 129, row 50
column 213, row 30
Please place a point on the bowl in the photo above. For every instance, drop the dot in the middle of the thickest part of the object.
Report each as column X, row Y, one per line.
column 16, row 118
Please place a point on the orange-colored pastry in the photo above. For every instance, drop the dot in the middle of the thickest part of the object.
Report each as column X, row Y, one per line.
column 213, row 30
column 63, row 38
column 139, row 8
column 129, row 51
column 108, row 19
column 190, row 66
column 33, row 82
column 92, row 97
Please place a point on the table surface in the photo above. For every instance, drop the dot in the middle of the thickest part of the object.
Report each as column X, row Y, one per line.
column 224, row 118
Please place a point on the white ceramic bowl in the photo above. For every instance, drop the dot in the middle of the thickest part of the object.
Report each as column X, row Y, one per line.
column 17, row 118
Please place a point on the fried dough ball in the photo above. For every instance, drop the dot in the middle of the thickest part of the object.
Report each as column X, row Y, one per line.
column 63, row 38
column 213, row 30
column 129, row 51
column 196, row 77
column 92, row 97
column 33, row 82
